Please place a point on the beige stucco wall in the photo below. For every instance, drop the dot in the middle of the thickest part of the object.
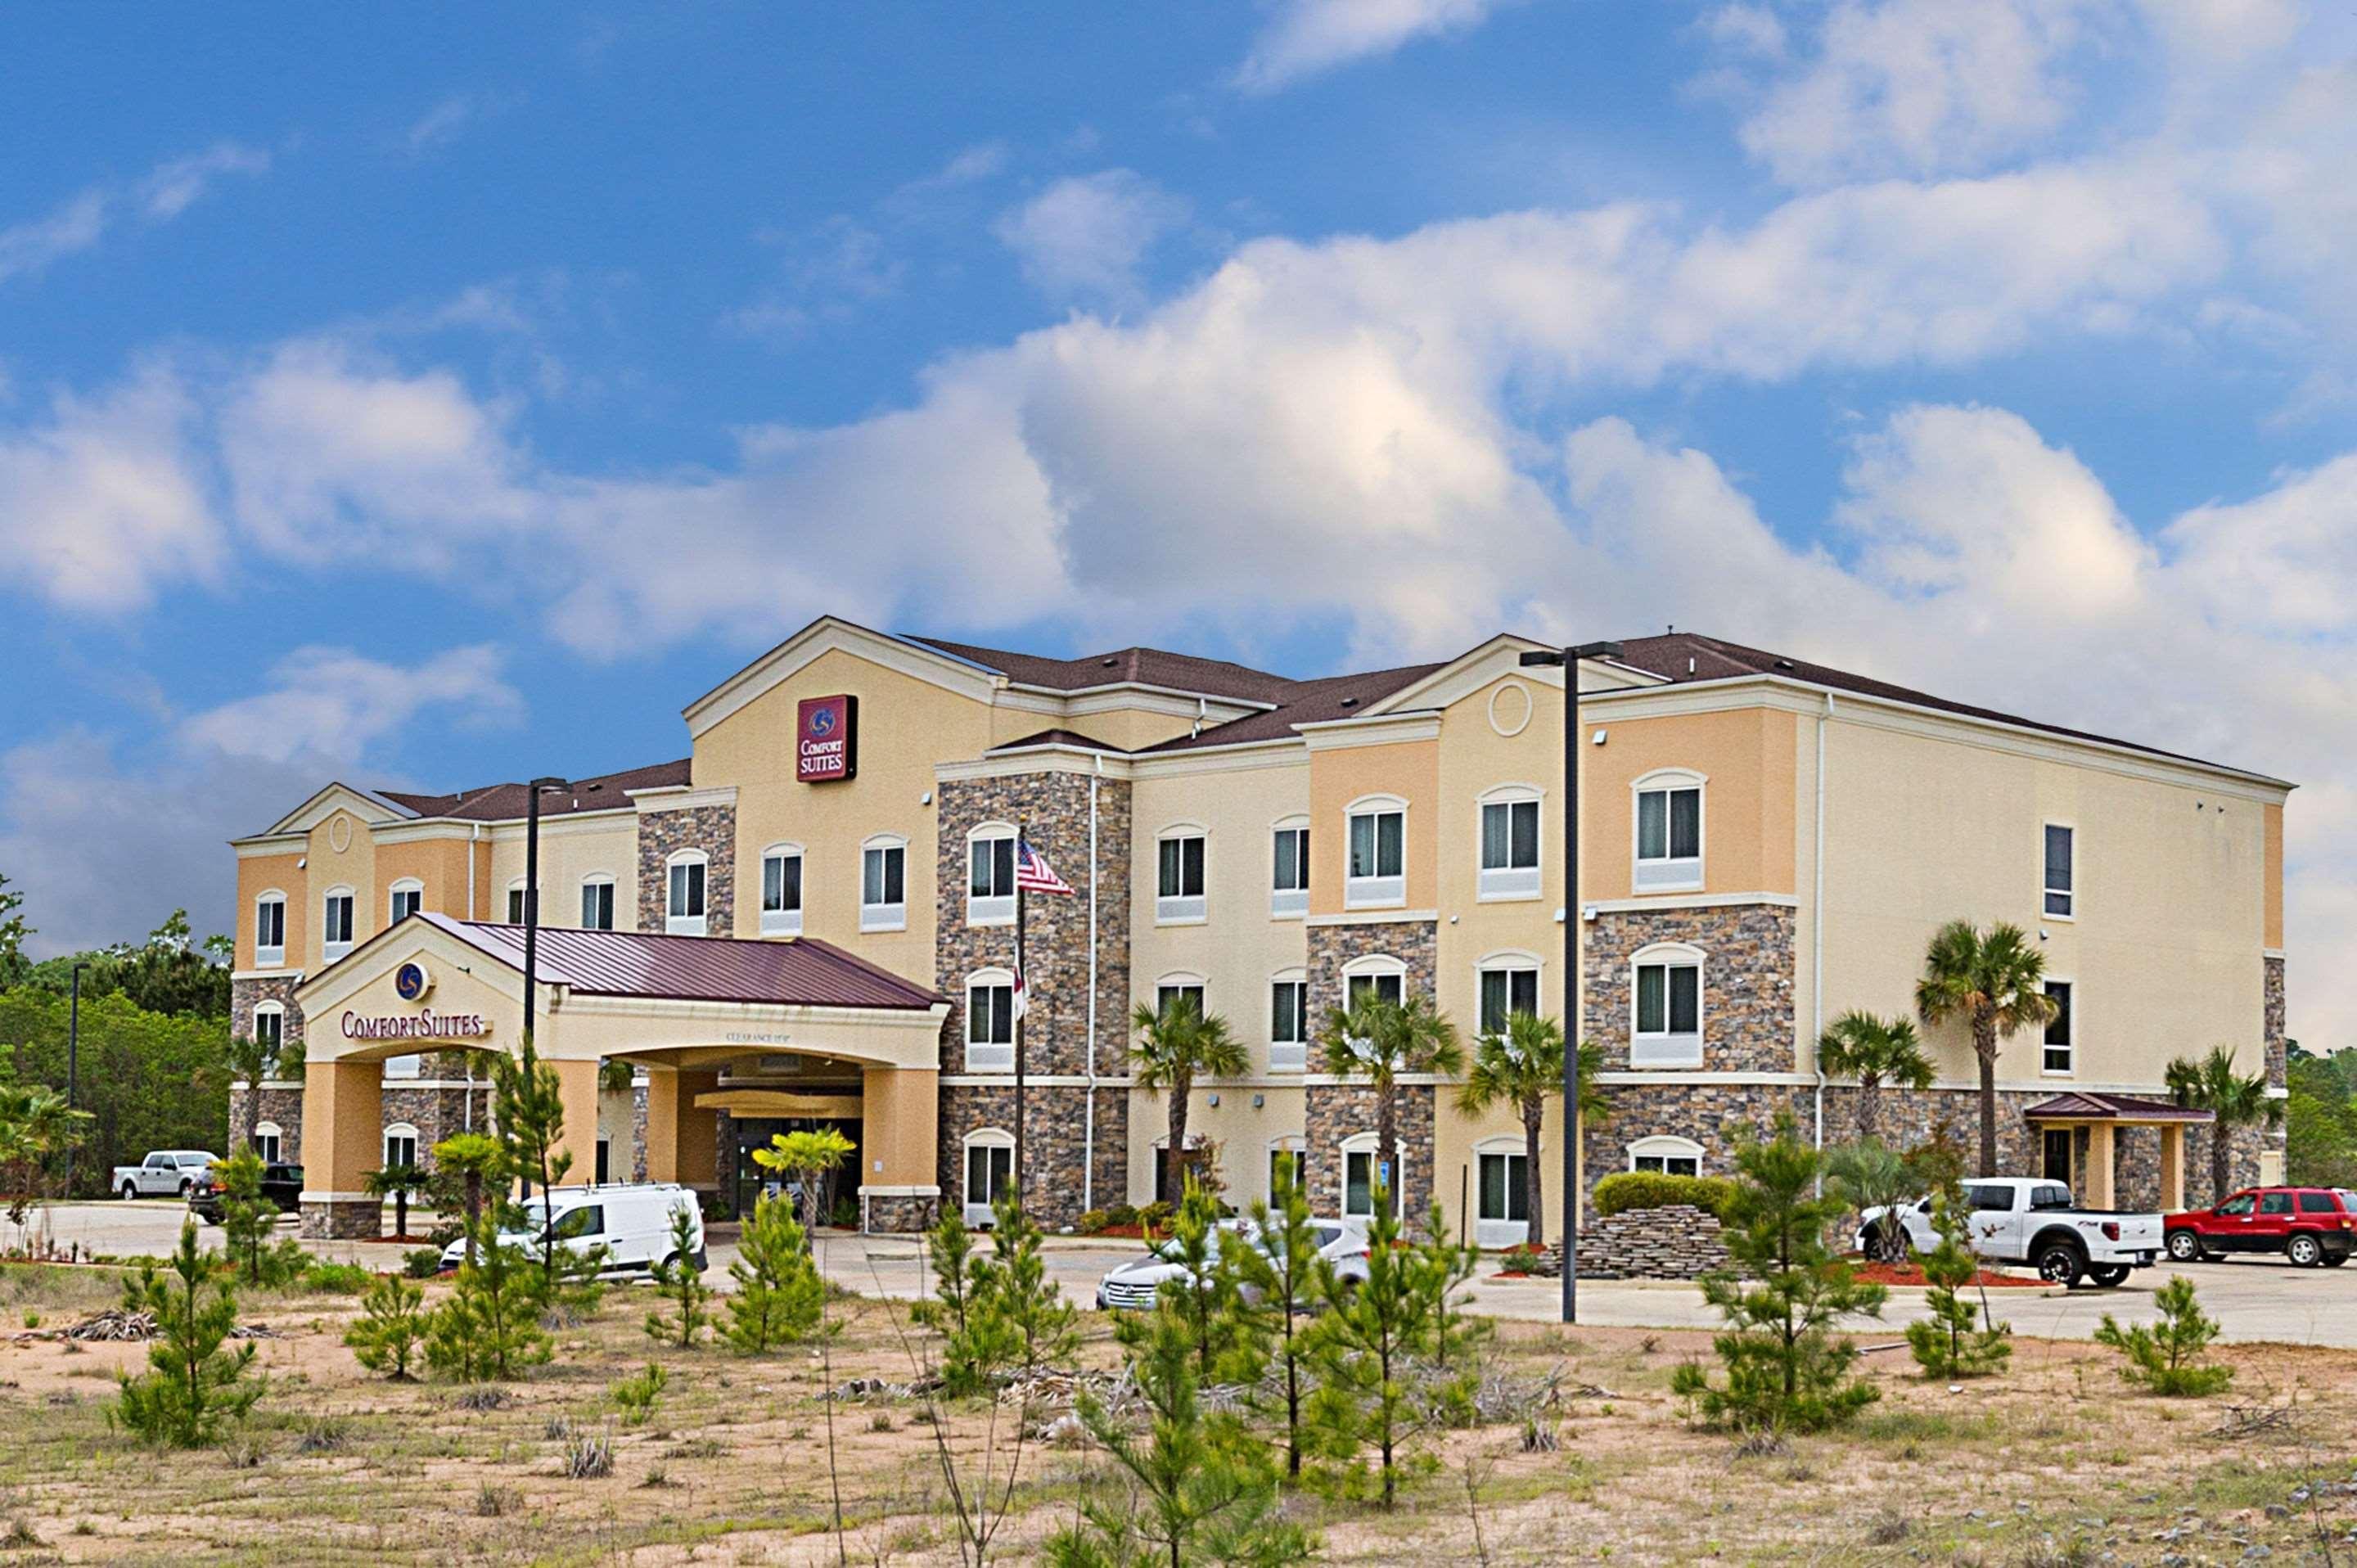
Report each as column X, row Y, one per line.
column 1455, row 1139
column 1476, row 759
column 1749, row 759
column 571, row 849
column 1340, row 775
column 353, row 866
column 1242, row 1131
column 905, row 726
column 1239, row 948
column 439, row 863
column 2172, row 900
column 258, row 874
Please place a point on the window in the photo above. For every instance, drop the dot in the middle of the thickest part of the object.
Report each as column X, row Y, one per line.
column 1385, row 978
column 270, row 929
column 1504, row 1213
column 598, row 903
column 269, row 1033
column 400, row 1144
column 1669, row 832
column 1178, row 877
column 884, row 885
column 411, row 1066
column 1289, row 881
column 2238, row 1205
column 2058, row 871
column 2056, row 1056
column 1360, row 1172
column 989, row 1172
column 1508, row 985
column 990, row 1022
column 1666, row 1156
column 1375, row 875
column 1666, row 1004
column 683, row 899
column 1288, row 1156
column 1509, row 844
column 2275, row 1203
column 408, row 898
column 1173, row 987
column 2318, row 1203
column 339, row 922
column 268, row 1140
column 2055, row 1150
column 1288, row 1022
column 781, row 890
column 990, row 876
column 516, row 910
column 578, row 1224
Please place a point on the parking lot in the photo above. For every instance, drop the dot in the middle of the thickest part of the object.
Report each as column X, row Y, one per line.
column 2253, row 1298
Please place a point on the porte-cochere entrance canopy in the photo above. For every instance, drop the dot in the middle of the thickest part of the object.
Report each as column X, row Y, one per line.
column 697, row 1013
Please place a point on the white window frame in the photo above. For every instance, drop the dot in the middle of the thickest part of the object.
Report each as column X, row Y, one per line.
column 1289, row 903
column 1182, row 979
column 269, row 957
column 1668, row 874
column 1492, row 1234
column 392, row 896
column 332, row 951
column 2048, row 895
column 1510, row 883
column 270, row 1010
column 269, row 1142
column 1289, row 1056
column 402, row 1129
column 989, row 1057
column 1664, row 1148
column 783, row 923
column 993, row 909
column 1667, row 1047
column 1376, row 890
column 1513, row 960
column 1376, row 967
column 676, row 922
column 981, row 1138
column 1369, row 1145
column 604, row 879
column 1292, row 1143
column 1182, row 908
column 884, row 917
column 2069, row 1048
column 516, row 910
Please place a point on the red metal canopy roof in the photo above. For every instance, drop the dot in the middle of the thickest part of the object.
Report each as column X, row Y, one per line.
column 2080, row 1105
column 803, row 973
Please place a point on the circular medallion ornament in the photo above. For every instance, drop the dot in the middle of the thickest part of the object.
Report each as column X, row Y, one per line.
column 339, row 833
column 1510, row 709
column 412, row 981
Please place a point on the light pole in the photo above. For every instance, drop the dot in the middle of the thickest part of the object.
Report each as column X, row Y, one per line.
column 538, row 788
column 1568, row 658
column 73, row 1062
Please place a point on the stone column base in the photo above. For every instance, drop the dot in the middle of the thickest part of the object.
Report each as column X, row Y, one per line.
column 898, row 1210
column 341, row 1219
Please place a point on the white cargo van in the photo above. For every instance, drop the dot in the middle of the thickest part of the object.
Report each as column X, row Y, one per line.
column 631, row 1221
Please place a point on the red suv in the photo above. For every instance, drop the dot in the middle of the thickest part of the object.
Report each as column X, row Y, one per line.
column 2309, row 1225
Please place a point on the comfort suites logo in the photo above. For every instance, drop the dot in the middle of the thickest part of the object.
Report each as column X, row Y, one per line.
column 826, row 739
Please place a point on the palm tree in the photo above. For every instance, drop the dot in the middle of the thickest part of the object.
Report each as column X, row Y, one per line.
column 34, row 1124
column 1175, row 1045
column 810, row 1158
column 1379, row 1039
column 396, row 1181
column 2211, row 1084
column 251, row 1061
column 1994, row 980
column 1875, row 1051
column 476, row 1159
column 1523, row 1068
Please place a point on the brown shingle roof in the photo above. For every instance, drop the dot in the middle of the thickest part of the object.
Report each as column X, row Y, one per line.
column 802, row 972
column 1140, row 666
column 1310, row 702
column 1060, row 737
column 2084, row 1105
column 506, row 802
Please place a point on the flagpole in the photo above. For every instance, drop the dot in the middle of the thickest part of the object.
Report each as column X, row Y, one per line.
column 1023, row 979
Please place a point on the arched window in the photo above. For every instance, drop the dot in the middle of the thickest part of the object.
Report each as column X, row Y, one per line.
column 989, row 1172
column 407, row 897
column 336, row 914
column 269, row 929
column 990, row 1021
column 1178, row 875
column 990, row 875
column 1289, row 896
column 1503, row 1208
column 883, row 883
column 781, row 890
column 515, row 904
column 269, row 1033
column 1374, row 868
column 597, row 901
column 400, row 1144
column 1360, row 1170
column 1288, row 1020
column 1288, row 1153
column 1666, row 1156
column 1510, row 843
column 268, row 1139
column 1509, row 982
column 683, row 897
column 1669, row 829
column 1377, row 974
column 1665, row 1006
column 1174, row 985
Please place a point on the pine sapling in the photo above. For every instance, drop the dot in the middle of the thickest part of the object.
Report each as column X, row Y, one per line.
column 1030, row 1321
column 2170, row 1356
column 194, row 1384
column 1955, row 1341
column 1278, row 1268
column 1363, row 1348
column 681, row 1278
column 779, row 1295
column 959, row 1312
column 490, row 1328
column 391, row 1325
column 1207, row 1295
column 636, row 1394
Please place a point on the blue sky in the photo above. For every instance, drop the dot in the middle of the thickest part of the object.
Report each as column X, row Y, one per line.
column 445, row 395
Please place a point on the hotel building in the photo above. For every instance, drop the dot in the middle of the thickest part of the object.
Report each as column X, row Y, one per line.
column 812, row 919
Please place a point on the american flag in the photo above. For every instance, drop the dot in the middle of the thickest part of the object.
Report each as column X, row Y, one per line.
column 1034, row 875
column 1022, row 996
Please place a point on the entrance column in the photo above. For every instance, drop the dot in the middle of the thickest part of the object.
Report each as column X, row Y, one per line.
column 900, row 1187
column 577, row 1087
column 681, row 1142
column 2173, row 1168
column 343, row 1142
column 2098, row 1193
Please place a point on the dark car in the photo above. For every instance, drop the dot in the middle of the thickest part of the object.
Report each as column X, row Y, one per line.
column 2309, row 1225
column 281, row 1185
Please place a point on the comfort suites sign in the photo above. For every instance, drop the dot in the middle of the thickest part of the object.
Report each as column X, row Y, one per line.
column 826, row 739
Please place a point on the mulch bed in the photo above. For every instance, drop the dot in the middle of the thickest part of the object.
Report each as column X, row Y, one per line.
column 1910, row 1274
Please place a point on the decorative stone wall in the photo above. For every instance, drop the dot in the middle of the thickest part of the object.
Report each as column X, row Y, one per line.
column 2244, row 1145
column 1677, row 1242
column 1746, row 981
column 355, row 1221
column 639, row 1132
column 662, row 834
column 2272, row 1022
column 436, row 1114
column 1055, row 1140
column 1338, row 1112
column 282, row 1105
column 891, row 1216
column 278, row 988
column 1415, row 943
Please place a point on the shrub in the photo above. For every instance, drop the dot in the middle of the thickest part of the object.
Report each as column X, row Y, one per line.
column 1092, row 1223
column 1625, row 1191
column 779, row 1296
column 636, row 1394
column 1522, row 1258
column 391, row 1325
column 2169, row 1357
column 1121, row 1216
column 1155, row 1218
column 194, row 1383
column 339, row 1279
column 423, row 1263
column 679, row 1279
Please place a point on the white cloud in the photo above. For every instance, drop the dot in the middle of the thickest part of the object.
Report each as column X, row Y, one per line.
column 177, row 186
column 1086, row 236
column 1305, row 37
column 30, row 246
column 329, row 705
column 439, row 125
column 82, row 221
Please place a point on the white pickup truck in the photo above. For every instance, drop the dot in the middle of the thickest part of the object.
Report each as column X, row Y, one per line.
column 165, row 1172
column 2026, row 1220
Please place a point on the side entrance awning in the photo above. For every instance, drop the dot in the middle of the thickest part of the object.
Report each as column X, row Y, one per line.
column 2080, row 1105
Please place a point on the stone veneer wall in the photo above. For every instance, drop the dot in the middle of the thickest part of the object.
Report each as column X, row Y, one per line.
column 1675, row 1242
column 1415, row 943
column 1746, row 981
column 1340, row 1111
column 284, row 1106
column 278, row 988
column 2277, row 1046
column 1052, row 809
column 662, row 834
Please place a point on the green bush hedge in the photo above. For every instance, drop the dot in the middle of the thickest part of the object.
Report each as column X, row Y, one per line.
column 1646, row 1189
